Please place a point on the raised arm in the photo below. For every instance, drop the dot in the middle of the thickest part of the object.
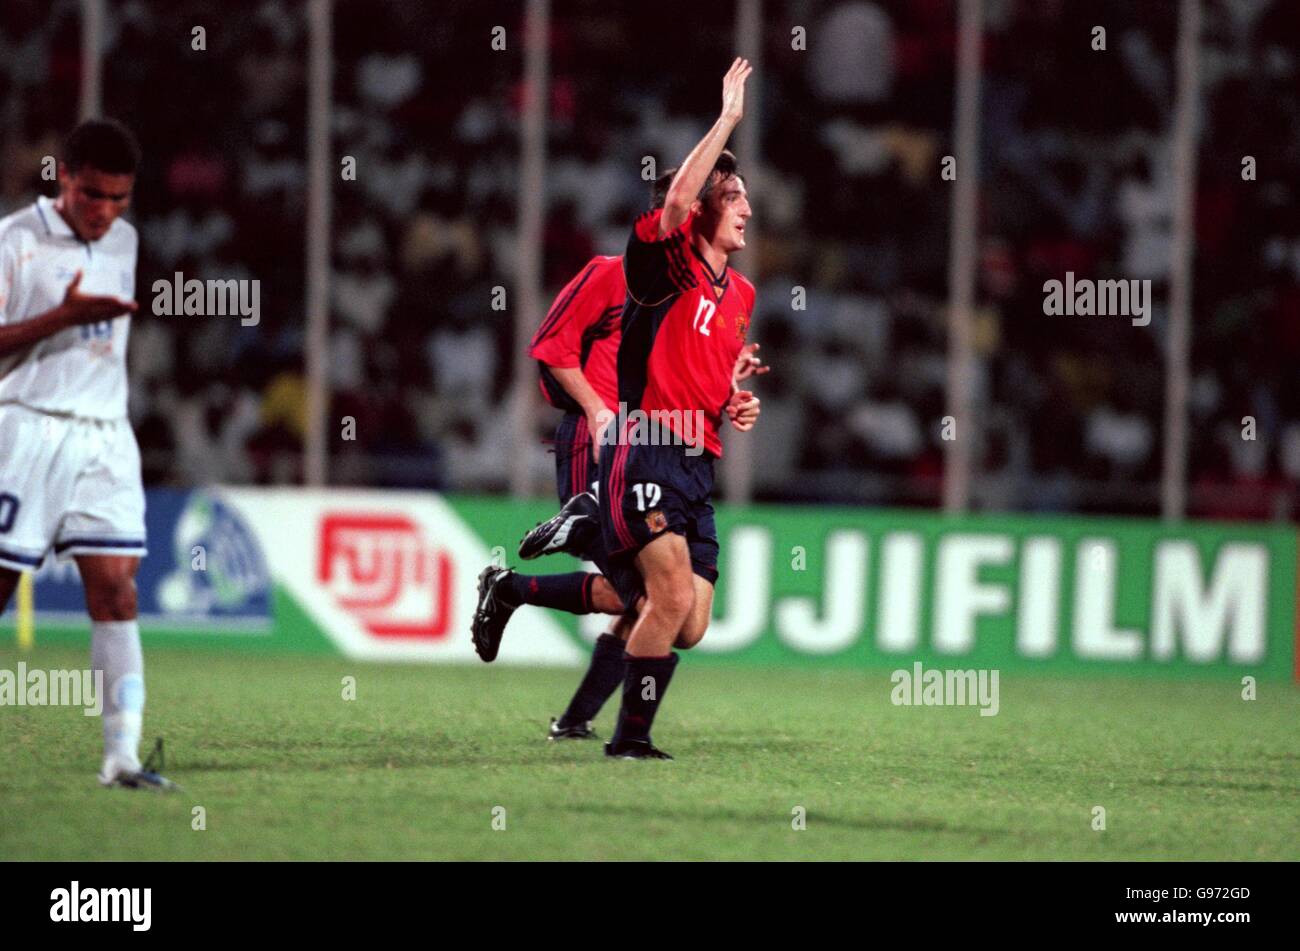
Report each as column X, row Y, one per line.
column 694, row 172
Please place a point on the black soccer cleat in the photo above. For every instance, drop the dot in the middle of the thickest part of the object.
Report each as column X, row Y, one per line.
column 492, row 613
column 145, row 779
column 635, row 749
column 580, row 731
column 570, row 529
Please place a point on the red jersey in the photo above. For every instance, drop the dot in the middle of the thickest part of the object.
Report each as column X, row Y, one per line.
column 683, row 329
column 582, row 330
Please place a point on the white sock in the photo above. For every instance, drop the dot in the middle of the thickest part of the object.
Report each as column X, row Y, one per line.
column 115, row 649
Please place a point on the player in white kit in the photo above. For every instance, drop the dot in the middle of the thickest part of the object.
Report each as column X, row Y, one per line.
column 69, row 464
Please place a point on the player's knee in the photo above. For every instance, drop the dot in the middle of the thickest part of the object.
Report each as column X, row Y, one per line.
column 689, row 636
column 675, row 601
column 692, row 632
column 623, row 626
column 112, row 598
column 604, row 598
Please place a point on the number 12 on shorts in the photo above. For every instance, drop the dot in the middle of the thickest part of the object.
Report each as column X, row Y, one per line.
column 647, row 495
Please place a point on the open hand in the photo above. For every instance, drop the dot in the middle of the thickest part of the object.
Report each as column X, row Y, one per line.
column 79, row 308
column 733, row 89
column 747, row 365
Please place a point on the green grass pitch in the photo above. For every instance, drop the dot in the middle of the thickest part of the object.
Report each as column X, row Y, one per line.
column 415, row 766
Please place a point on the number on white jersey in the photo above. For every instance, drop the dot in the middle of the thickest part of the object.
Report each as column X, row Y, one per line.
column 8, row 511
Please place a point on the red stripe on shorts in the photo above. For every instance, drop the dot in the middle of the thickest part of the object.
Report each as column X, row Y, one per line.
column 616, row 497
column 577, row 458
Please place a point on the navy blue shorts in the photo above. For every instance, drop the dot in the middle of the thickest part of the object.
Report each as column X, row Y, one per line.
column 646, row 491
column 575, row 471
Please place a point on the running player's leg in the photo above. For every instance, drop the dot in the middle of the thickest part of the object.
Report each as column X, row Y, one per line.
column 702, row 537
column 605, row 672
column 607, row 667
column 502, row 590
column 665, row 567
column 645, row 512
column 571, row 529
column 697, row 622
column 577, row 592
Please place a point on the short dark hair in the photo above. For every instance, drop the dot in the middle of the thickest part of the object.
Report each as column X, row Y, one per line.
column 659, row 188
column 723, row 169
column 103, row 144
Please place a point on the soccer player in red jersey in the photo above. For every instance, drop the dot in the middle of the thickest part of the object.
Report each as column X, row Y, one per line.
column 576, row 347
column 684, row 327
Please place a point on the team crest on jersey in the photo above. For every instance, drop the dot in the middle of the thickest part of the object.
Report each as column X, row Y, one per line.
column 656, row 521
column 742, row 325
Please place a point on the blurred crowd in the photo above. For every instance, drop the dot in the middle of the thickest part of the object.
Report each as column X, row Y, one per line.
column 851, row 215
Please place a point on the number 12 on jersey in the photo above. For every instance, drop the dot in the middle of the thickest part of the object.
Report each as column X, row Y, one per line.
column 703, row 314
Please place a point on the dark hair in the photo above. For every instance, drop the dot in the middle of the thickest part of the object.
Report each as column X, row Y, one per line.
column 723, row 169
column 659, row 188
column 103, row 144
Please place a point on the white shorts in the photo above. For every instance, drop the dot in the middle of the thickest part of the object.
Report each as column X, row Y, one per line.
column 67, row 483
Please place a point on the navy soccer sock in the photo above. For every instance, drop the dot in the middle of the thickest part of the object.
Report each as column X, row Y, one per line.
column 642, row 696
column 568, row 592
column 603, row 676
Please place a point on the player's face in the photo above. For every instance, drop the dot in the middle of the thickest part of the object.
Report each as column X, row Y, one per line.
column 724, row 216
column 91, row 200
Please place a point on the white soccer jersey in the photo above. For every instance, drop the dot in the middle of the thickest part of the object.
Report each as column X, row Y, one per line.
column 80, row 371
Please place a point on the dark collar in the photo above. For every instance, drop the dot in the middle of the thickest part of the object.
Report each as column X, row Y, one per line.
column 722, row 281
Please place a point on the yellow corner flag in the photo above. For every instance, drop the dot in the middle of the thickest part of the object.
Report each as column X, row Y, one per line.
column 26, row 612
